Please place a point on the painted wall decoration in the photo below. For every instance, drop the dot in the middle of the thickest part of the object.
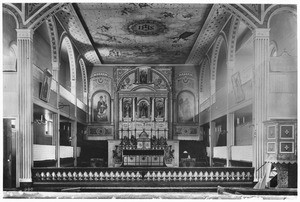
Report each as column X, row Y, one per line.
column 101, row 107
column 186, row 107
column 159, row 83
column 237, row 87
column 154, row 33
column 100, row 81
column 129, row 82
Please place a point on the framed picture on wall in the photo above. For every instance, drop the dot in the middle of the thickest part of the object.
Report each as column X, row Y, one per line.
column 46, row 84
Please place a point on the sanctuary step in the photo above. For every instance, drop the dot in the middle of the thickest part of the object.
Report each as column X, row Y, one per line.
column 151, row 177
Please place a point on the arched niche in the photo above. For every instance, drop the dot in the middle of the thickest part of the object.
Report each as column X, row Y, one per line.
column 186, row 107
column 283, row 31
column 101, row 107
column 9, row 42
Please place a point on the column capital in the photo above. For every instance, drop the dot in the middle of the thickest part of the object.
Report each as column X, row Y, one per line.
column 25, row 33
column 261, row 32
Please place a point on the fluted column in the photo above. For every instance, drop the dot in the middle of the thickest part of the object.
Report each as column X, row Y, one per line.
column 24, row 43
column 261, row 66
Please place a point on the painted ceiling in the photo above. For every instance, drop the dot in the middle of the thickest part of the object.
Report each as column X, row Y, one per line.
column 141, row 33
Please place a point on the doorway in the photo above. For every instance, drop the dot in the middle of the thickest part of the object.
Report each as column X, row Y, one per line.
column 9, row 153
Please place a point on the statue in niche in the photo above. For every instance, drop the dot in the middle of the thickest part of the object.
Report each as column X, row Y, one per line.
column 143, row 108
column 143, row 77
column 101, row 110
column 159, row 109
column 127, row 109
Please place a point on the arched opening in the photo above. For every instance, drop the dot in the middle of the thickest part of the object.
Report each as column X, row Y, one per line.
column 67, row 70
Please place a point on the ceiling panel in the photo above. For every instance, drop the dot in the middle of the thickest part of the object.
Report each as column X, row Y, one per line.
column 140, row 33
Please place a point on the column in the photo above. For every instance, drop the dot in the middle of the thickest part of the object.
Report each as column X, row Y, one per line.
column 74, row 140
column 261, row 66
column 56, row 135
column 133, row 109
column 230, row 116
column 212, row 131
column 152, row 111
column 166, row 111
column 230, row 137
column 25, row 49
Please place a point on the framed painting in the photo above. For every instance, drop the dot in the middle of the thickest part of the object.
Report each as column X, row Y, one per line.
column 46, row 84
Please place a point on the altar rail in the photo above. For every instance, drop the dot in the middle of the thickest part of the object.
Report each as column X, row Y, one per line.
column 142, row 177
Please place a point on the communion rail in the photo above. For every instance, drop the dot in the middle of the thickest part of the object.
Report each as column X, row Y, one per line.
column 59, row 178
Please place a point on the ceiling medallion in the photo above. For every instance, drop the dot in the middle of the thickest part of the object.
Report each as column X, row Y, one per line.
column 146, row 27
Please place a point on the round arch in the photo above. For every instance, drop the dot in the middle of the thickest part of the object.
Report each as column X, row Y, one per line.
column 84, row 79
column 133, row 70
column 214, row 61
column 277, row 10
column 65, row 40
column 53, row 34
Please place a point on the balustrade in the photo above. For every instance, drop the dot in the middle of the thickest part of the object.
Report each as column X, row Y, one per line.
column 56, row 175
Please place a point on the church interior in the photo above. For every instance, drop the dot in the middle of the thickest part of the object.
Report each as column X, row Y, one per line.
column 143, row 96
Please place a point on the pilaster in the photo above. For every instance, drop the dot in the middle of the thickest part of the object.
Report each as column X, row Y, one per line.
column 261, row 66
column 25, row 49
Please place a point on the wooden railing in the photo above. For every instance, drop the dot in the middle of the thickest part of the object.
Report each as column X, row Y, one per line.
column 140, row 176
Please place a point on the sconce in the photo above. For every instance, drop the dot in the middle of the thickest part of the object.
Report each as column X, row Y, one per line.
column 40, row 121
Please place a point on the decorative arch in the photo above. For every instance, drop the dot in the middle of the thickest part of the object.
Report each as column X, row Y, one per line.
column 84, row 79
column 241, row 16
column 14, row 12
column 232, row 38
column 52, row 29
column 71, row 56
column 276, row 10
column 100, row 106
column 204, row 68
column 214, row 61
column 122, row 79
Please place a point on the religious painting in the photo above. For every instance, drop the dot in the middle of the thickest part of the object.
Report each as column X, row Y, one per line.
column 101, row 107
column 143, row 109
column 128, row 82
column 143, row 75
column 185, row 107
column 159, row 108
column 127, row 107
column 46, row 84
column 237, row 87
column 159, row 83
